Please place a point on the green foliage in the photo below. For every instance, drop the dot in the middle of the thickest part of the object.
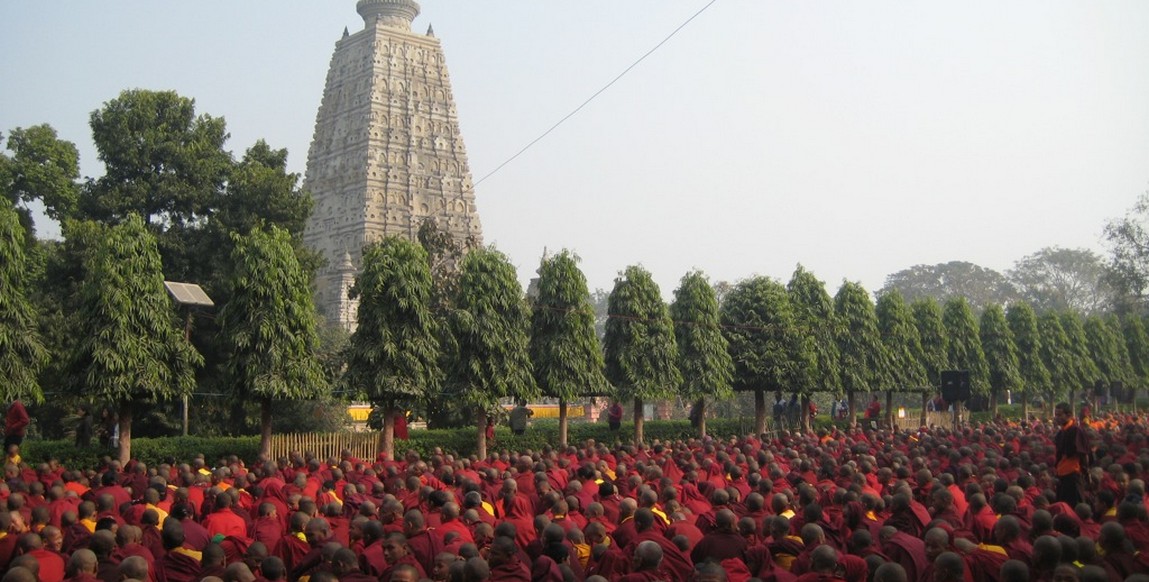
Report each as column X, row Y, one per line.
column 568, row 361
column 1082, row 369
column 1000, row 350
column 769, row 350
column 1137, row 343
column 1128, row 239
column 703, row 359
column 815, row 320
column 42, row 168
column 945, row 281
column 394, row 352
column 1107, row 350
column 864, row 363
column 1055, row 352
column 128, row 346
column 932, row 337
column 269, row 325
column 150, row 451
column 491, row 324
column 900, row 337
column 1057, row 279
column 1035, row 377
column 963, row 349
column 21, row 353
column 640, row 350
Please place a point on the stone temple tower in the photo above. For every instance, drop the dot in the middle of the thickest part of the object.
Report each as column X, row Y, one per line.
column 387, row 153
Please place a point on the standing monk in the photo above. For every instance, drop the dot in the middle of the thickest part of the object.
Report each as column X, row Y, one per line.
column 15, row 424
column 1072, row 455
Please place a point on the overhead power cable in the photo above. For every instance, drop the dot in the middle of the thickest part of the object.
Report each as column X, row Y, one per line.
column 595, row 95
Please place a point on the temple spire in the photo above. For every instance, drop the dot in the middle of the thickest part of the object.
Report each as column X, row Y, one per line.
column 396, row 14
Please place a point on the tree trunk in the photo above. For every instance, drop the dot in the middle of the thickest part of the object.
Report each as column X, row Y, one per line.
column 890, row 409
column 1049, row 406
column 957, row 414
column 852, row 403
column 1024, row 408
column 125, row 432
column 563, row 421
column 759, row 411
column 702, row 418
column 265, row 426
column 387, row 437
column 1073, row 403
column 993, row 403
column 481, row 420
column 639, row 417
column 925, row 407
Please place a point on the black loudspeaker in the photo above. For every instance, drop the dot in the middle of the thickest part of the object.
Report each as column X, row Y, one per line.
column 955, row 385
column 1099, row 388
column 1120, row 393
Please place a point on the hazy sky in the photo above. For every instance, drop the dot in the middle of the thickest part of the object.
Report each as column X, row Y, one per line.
column 858, row 138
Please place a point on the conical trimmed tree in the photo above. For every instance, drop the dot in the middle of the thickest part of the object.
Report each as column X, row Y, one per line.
column 1055, row 355
column 1035, row 378
column 1137, row 343
column 1000, row 354
column 393, row 356
column 814, row 317
column 864, row 362
column 21, row 353
column 130, row 351
column 768, row 349
column 1108, row 352
column 932, row 336
column 903, row 346
column 491, row 324
column 640, row 350
column 703, row 357
column 269, row 326
column 567, row 358
column 1082, row 369
column 963, row 349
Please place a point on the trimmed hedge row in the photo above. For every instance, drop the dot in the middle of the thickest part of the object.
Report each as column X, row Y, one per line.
column 461, row 441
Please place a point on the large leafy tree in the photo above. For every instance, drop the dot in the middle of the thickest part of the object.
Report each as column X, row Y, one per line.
column 963, row 348
column 864, row 364
column 1000, row 354
column 1128, row 239
column 21, row 353
column 1083, row 372
column 814, row 316
column 567, row 358
column 130, row 351
column 491, row 324
column 979, row 285
column 393, row 355
column 640, row 351
column 1137, row 342
column 703, row 358
column 42, row 168
column 932, row 337
column 1035, row 378
column 163, row 162
column 269, row 325
column 768, row 348
column 1056, row 278
column 1055, row 355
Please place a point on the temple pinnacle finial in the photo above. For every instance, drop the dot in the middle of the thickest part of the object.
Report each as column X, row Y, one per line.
column 345, row 33
column 430, row 30
column 389, row 13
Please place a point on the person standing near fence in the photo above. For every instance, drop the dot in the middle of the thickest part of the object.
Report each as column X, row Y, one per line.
column 519, row 415
column 15, row 424
column 614, row 415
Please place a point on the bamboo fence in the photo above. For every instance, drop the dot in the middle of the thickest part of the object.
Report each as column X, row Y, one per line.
column 363, row 445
